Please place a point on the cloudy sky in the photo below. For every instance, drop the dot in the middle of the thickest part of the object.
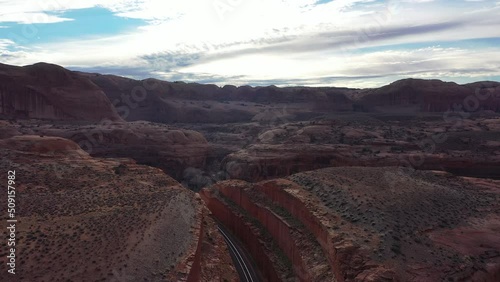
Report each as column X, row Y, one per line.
column 355, row 43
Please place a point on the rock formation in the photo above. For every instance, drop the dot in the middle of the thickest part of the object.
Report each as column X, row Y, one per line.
column 82, row 218
column 372, row 224
column 48, row 91
column 170, row 148
column 468, row 148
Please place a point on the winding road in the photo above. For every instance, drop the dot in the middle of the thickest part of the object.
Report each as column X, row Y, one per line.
column 244, row 265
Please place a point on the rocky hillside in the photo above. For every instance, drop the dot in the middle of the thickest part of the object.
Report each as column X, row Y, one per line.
column 87, row 219
column 48, row 91
column 366, row 224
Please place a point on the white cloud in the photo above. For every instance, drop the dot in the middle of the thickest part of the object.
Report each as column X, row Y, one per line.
column 42, row 11
column 4, row 43
column 31, row 18
column 419, row 63
column 262, row 40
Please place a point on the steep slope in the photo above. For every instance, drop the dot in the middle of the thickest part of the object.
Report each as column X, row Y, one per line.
column 51, row 92
column 87, row 219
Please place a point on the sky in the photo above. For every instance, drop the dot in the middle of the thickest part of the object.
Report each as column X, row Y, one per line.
column 349, row 43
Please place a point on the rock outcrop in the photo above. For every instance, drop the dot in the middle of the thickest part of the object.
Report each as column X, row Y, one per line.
column 259, row 244
column 295, row 241
column 48, row 91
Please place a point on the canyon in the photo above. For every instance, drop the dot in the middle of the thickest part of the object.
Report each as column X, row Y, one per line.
column 134, row 177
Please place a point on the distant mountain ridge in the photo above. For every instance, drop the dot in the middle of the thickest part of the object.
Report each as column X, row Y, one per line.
column 49, row 91
column 433, row 95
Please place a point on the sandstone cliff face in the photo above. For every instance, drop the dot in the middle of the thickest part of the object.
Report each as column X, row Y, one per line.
column 114, row 86
column 248, row 233
column 210, row 260
column 51, row 92
column 348, row 262
column 295, row 240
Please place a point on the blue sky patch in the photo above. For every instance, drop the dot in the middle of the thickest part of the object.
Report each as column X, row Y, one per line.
column 322, row 2
column 85, row 23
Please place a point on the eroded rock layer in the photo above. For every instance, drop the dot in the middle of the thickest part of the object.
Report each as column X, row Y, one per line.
column 48, row 91
column 381, row 224
column 468, row 148
column 167, row 147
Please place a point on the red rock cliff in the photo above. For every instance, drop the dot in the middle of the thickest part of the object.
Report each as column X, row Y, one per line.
column 48, row 91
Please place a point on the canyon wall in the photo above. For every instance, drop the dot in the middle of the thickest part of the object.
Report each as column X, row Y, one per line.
column 244, row 231
column 170, row 148
column 377, row 223
column 276, row 225
column 46, row 91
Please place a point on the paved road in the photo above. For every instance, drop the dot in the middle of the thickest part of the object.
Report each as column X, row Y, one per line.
column 241, row 259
